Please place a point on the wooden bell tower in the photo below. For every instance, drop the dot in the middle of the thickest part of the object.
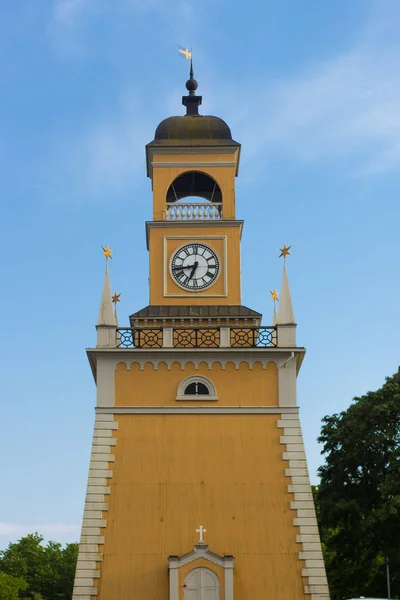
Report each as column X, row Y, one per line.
column 196, row 416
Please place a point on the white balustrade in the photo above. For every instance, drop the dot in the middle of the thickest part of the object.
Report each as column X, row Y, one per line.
column 194, row 211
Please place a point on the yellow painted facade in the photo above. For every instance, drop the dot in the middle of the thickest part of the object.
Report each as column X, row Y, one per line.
column 164, row 176
column 172, row 472
column 223, row 239
column 234, row 387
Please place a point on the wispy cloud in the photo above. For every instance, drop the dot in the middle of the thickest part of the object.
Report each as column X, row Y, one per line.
column 104, row 158
column 347, row 107
column 66, row 12
column 48, row 530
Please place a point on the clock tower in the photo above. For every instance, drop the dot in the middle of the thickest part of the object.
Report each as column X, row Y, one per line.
column 198, row 486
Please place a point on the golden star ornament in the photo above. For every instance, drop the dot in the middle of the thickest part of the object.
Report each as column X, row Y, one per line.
column 116, row 298
column 284, row 251
column 107, row 252
column 274, row 295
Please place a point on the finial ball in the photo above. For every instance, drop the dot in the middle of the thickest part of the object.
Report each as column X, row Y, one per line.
column 191, row 85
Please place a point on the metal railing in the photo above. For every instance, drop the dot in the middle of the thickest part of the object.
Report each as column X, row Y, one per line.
column 194, row 211
column 197, row 337
column 139, row 338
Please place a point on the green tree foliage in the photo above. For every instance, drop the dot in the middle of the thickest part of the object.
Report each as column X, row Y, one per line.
column 358, row 499
column 47, row 571
column 10, row 587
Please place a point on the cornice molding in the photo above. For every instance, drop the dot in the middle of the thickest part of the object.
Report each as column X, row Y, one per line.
column 188, row 150
column 197, row 164
column 215, row 223
column 197, row 410
column 223, row 356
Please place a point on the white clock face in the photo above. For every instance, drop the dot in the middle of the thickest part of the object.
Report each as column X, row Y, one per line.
column 195, row 266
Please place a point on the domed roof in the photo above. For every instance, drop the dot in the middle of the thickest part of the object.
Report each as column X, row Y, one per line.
column 193, row 127
column 190, row 130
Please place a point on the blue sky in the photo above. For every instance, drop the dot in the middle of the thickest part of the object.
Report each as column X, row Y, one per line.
column 311, row 90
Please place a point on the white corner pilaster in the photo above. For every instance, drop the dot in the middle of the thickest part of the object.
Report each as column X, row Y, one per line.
column 287, row 375
column 105, row 381
column 303, row 506
column 106, row 336
column 94, row 521
column 286, row 335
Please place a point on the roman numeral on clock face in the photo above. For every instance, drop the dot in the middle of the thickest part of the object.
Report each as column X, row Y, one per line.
column 184, row 279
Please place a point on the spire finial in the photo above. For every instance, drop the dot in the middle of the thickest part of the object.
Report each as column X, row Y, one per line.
column 115, row 299
column 191, row 101
column 275, row 298
column 191, row 84
column 106, row 314
column 107, row 252
column 284, row 252
column 286, row 314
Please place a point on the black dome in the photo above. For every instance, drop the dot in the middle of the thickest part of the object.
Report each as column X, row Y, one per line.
column 194, row 127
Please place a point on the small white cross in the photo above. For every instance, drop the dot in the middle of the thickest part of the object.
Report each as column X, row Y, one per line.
column 201, row 530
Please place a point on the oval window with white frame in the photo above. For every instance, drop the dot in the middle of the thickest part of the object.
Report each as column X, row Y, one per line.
column 196, row 388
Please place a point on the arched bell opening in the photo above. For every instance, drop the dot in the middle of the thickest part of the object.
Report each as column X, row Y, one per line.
column 194, row 184
column 194, row 196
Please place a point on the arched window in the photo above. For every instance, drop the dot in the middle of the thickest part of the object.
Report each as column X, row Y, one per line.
column 196, row 388
column 201, row 584
column 194, row 184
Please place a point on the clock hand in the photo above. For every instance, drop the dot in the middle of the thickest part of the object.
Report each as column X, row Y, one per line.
column 194, row 267
column 182, row 267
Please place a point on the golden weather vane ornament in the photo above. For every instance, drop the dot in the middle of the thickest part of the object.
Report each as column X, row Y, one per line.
column 185, row 52
column 116, row 298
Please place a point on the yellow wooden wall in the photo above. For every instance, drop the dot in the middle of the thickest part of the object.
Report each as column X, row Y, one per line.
column 175, row 472
column 162, row 249
column 223, row 175
column 235, row 387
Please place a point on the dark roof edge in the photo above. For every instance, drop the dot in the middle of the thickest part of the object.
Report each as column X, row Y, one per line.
column 196, row 312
